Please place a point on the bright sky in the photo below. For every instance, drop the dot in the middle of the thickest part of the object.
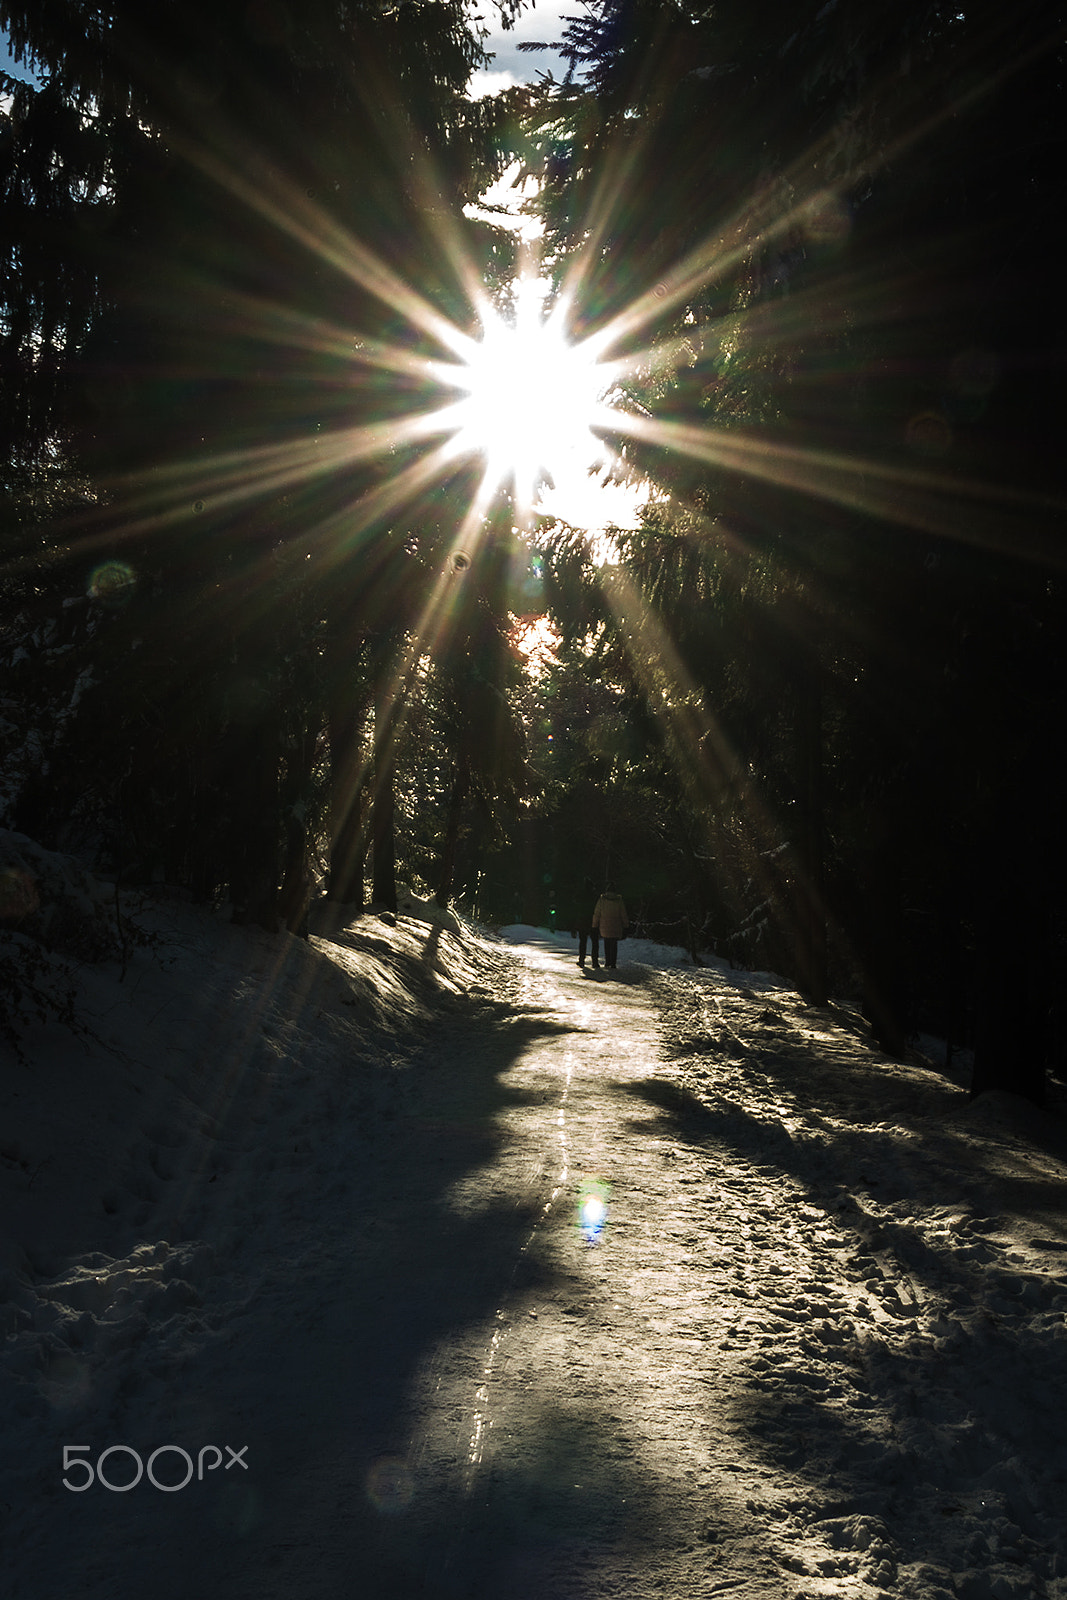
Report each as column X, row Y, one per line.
column 579, row 496
column 7, row 64
column 541, row 23
column 536, row 22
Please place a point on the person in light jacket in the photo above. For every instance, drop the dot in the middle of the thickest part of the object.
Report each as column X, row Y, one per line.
column 611, row 921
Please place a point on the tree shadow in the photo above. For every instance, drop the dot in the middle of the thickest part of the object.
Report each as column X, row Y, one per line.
column 937, row 1429
column 809, row 1062
column 533, row 1524
column 855, row 1157
column 384, row 1255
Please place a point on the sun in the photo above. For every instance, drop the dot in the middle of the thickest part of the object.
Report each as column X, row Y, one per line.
column 530, row 398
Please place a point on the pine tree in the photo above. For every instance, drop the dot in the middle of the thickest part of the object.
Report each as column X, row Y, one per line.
column 808, row 228
column 217, row 219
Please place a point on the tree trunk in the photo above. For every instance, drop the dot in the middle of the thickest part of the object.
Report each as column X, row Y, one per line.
column 383, row 831
column 346, row 713
column 387, row 708
column 351, row 841
column 296, row 880
column 880, row 941
column 1014, row 937
column 253, row 813
column 811, row 912
column 447, row 867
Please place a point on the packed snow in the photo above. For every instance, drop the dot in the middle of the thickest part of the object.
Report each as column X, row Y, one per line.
column 413, row 1260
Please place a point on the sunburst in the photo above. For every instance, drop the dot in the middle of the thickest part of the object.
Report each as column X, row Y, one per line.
column 531, row 397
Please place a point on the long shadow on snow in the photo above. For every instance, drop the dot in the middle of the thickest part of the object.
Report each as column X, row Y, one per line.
column 545, row 1524
column 315, row 1376
column 418, row 1274
column 834, row 1074
column 718, row 1120
column 858, row 1449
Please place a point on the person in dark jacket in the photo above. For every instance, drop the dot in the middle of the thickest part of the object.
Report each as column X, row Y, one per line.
column 611, row 921
column 584, row 930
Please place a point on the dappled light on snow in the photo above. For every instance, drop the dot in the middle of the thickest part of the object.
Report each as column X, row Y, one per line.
column 503, row 1258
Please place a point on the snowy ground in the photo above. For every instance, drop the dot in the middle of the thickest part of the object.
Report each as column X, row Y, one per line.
column 311, row 1217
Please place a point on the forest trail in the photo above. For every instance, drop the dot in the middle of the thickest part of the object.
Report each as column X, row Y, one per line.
column 805, row 1355
column 747, row 1384
column 737, row 1389
column 596, row 1451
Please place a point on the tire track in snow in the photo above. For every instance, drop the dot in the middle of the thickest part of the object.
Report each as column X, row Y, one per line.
column 481, row 1420
column 456, row 1409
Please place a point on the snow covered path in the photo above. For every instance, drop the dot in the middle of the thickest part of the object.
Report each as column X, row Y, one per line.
column 818, row 1348
column 761, row 1380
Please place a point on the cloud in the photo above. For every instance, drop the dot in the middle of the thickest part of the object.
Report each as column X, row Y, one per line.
column 542, row 23
column 490, row 82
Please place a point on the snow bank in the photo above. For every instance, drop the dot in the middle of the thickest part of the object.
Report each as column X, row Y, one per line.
column 148, row 1163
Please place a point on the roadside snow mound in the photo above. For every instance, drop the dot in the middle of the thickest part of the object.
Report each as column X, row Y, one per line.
column 52, row 899
column 216, row 1060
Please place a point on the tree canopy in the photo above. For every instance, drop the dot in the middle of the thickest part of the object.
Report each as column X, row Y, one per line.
column 262, row 626
column 232, row 238
column 823, row 240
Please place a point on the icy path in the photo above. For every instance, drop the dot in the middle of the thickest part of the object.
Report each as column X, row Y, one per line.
column 756, row 1382
column 592, row 1443
column 760, row 1380
column 752, row 1384
column 818, row 1350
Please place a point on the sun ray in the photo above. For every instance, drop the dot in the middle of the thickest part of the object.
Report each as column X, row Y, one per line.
column 428, row 629
column 923, row 500
column 705, row 761
column 220, row 484
column 268, row 193
column 810, row 182
column 457, row 385
column 612, row 185
column 246, row 317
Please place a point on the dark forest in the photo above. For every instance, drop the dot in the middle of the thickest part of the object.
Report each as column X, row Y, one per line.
column 262, row 631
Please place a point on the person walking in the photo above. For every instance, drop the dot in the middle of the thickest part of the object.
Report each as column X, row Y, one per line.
column 611, row 921
column 585, row 932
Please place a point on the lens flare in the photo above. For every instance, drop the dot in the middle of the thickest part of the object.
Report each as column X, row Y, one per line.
column 112, row 583
column 593, row 1209
column 390, row 1485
